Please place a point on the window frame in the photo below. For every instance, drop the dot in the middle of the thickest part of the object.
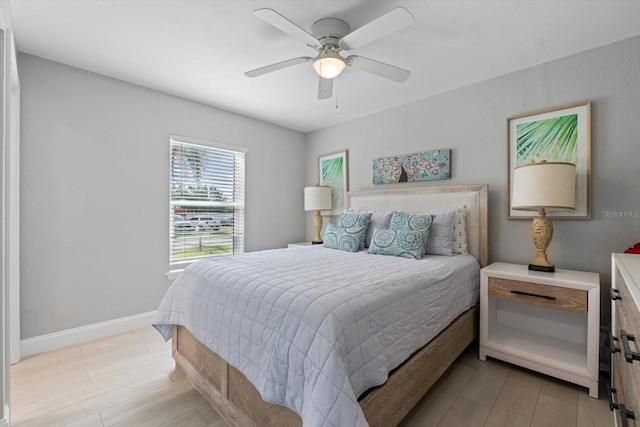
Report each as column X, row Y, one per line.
column 238, row 204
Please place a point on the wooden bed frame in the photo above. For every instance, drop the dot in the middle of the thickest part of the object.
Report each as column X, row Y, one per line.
column 239, row 403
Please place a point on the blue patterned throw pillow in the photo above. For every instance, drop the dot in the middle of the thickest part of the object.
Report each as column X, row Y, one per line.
column 345, row 239
column 378, row 220
column 349, row 219
column 403, row 242
column 422, row 223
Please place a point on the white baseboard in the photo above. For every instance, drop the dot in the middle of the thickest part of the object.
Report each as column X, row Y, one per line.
column 56, row 340
column 4, row 421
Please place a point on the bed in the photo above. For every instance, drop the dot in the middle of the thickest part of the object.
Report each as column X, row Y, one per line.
column 374, row 372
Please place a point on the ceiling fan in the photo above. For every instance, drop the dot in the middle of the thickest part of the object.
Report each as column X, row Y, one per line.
column 330, row 36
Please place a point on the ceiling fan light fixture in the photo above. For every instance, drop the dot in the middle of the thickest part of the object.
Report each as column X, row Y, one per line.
column 329, row 64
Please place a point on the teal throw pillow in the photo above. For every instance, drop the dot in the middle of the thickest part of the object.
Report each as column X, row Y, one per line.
column 403, row 243
column 345, row 239
column 405, row 221
column 349, row 219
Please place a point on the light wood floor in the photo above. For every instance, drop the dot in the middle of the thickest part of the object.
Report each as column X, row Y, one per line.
column 130, row 380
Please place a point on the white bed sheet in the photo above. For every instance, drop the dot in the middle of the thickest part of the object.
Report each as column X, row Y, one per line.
column 312, row 328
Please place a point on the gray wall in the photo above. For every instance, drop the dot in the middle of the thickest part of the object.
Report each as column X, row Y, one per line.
column 472, row 121
column 95, row 180
column 95, row 156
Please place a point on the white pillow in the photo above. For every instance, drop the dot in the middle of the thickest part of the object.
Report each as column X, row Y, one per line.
column 459, row 235
column 440, row 237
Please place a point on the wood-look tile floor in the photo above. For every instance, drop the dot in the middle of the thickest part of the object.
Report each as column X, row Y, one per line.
column 131, row 380
column 493, row 393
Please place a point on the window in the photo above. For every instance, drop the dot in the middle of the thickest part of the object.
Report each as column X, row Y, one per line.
column 206, row 201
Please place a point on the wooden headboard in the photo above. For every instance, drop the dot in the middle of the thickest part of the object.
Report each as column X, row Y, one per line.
column 434, row 199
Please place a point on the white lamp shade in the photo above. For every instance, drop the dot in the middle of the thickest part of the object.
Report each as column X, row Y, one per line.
column 548, row 185
column 317, row 198
column 329, row 64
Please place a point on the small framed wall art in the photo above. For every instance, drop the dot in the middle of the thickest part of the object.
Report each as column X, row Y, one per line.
column 422, row 166
column 554, row 135
column 333, row 172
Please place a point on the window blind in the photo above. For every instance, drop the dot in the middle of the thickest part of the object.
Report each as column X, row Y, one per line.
column 206, row 215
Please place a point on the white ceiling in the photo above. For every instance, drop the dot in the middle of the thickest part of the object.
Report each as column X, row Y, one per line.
column 199, row 50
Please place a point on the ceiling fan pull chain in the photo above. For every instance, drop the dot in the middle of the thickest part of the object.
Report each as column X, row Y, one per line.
column 336, row 93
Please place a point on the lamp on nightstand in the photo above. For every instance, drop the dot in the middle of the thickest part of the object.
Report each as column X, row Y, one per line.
column 317, row 199
column 545, row 186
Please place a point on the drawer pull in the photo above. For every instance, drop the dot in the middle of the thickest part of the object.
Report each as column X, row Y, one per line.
column 611, row 391
column 625, row 414
column 613, row 341
column 615, row 294
column 629, row 355
column 528, row 294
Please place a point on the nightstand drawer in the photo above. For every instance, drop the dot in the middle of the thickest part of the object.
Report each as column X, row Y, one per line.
column 567, row 299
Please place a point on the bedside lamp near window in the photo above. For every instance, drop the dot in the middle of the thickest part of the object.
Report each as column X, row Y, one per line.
column 545, row 186
column 317, row 199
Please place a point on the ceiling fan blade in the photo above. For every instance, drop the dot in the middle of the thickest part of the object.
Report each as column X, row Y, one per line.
column 277, row 66
column 325, row 88
column 388, row 23
column 272, row 17
column 378, row 68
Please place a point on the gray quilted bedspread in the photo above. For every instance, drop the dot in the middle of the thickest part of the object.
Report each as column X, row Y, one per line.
column 312, row 328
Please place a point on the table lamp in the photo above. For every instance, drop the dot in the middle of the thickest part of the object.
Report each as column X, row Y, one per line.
column 317, row 199
column 542, row 187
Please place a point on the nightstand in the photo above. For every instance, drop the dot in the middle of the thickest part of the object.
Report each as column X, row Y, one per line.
column 546, row 322
column 292, row 245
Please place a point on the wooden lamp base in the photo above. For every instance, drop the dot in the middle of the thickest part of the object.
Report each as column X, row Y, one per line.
column 542, row 232
column 317, row 226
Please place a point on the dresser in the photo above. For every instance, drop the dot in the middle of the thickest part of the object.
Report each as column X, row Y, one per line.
column 546, row 322
column 624, row 394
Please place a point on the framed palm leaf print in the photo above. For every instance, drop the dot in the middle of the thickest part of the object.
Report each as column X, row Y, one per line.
column 555, row 135
column 333, row 172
